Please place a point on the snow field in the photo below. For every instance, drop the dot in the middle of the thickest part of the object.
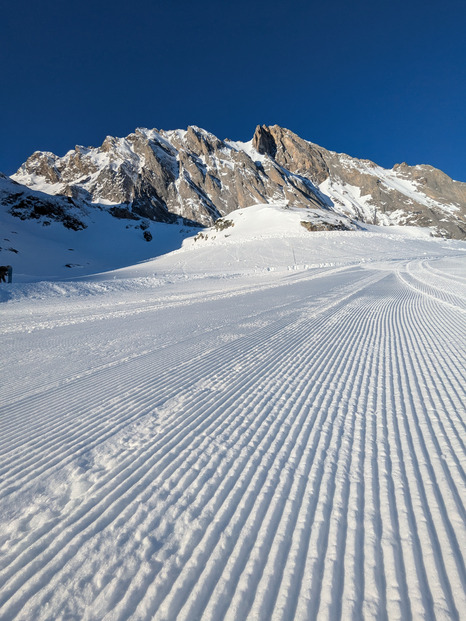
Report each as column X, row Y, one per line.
column 289, row 447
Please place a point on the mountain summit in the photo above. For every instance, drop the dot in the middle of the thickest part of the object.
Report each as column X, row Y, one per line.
column 163, row 175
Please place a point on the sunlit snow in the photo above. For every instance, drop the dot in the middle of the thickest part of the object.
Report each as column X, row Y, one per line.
column 265, row 423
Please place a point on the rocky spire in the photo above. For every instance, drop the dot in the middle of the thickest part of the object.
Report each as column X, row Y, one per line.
column 263, row 141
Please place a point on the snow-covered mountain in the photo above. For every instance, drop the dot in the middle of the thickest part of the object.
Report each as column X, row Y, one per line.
column 161, row 175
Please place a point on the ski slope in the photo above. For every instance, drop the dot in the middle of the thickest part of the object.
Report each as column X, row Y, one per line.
column 282, row 443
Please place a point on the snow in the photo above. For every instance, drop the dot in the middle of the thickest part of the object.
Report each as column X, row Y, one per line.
column 52, row 252
column 37, row 183
column 270, row 238
column 248, row 149
column 268, row 425
column 347, row 198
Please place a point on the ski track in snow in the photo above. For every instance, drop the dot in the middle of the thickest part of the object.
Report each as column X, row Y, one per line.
column 293, row 453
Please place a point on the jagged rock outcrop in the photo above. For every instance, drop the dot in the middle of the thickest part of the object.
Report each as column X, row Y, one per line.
column 291, row 152
column 264, row 142
column 161, row 175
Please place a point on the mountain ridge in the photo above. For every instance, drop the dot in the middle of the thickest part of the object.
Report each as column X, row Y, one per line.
column 164, row 175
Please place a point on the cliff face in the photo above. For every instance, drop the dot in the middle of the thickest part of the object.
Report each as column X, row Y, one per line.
column 162, row 175
column 406, row 195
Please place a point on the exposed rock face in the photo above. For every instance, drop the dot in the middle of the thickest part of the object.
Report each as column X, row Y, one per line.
column 325, row 226
column 433, row 182
column 404, row 195
column 264, row 142
column 26, row 204
column 161, row 175
column 292, row 152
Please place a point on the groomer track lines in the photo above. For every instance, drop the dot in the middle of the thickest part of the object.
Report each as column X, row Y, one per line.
column 289, row 450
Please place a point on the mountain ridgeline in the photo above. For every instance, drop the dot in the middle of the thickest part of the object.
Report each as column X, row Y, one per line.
column 166, row 175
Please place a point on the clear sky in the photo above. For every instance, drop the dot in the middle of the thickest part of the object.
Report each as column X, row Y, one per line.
column 384, row 80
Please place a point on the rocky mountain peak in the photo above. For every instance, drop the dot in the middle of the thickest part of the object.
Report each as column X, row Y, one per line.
column 42, row 164
column 263, row 141
column 298, row 155
column 109, row 144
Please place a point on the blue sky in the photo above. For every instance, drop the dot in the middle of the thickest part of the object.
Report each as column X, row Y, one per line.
column 379, row 80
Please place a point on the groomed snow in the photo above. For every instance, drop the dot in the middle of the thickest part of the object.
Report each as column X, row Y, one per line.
column 269, row 425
